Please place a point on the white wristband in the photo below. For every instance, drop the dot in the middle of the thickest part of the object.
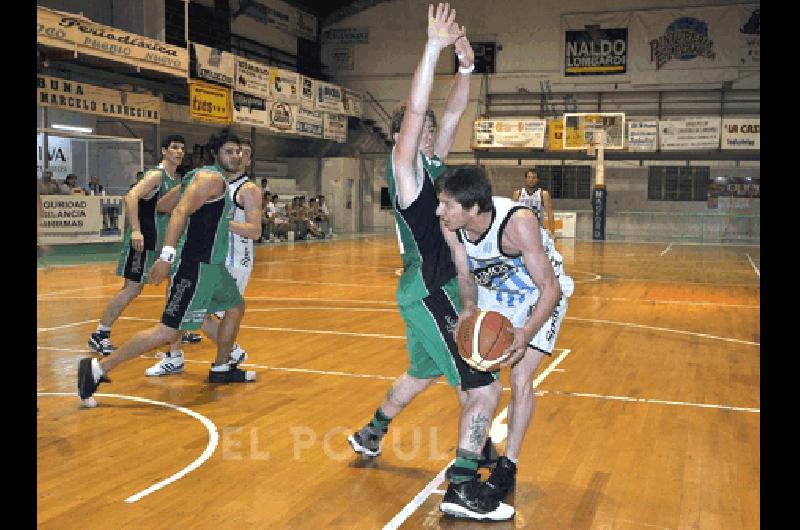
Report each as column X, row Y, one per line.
column 466, row 69
column 167, row 254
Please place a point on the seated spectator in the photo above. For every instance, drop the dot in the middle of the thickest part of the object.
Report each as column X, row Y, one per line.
column 94, row 187
column 71, row 183
column 323, row 216
column 297, row 217
column 49, row 186
column 311, row 226
column 280, row 222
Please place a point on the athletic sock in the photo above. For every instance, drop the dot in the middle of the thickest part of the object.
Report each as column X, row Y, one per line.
column 224, row 367
column 380, row 421
column 176, row 353
column 465, row 467
column 103, row 330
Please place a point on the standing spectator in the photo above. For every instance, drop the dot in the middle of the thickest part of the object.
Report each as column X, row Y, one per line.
column 267, row 217
column 323, row 215
column 265, row 193
column 49, row 186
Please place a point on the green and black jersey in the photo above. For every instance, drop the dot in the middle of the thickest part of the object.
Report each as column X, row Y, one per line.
column 153, row 225
column 205, row 238
column 427, row 263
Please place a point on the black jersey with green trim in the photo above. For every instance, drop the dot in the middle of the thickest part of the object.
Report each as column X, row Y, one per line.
column 427, row 263
column 148, row 225
column 205, row 237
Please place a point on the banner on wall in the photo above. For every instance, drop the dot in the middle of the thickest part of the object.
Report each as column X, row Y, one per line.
column 555, row 134
column 211, row 64
column 81, row 219
column 72, row 32
column 346, row 36
column 750, row 38
column 284, row 85
column 328, row 97
column 90, row 99
column 282, row 16
column 211, row 103
column 250, row 110
column 251, row 78
column 335, row 127
column 339, row 57
column 642, row 135
column 596, row 51
column 741, row 133
column 351, row 102
column 689, row 133
column 281, row 116
column 307, row 89
column 59, row 159
column 308, row 122
column 509, row 133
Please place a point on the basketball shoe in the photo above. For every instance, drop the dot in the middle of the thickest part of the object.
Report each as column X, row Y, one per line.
column 169, row 364
column 232, row 375
column 489, row 457
column 88, row 381
column 101, row 343
column 367, row 441
column 501, row 480
column 464, row 500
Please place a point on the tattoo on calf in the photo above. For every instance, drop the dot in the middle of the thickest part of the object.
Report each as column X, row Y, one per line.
column 477, row 431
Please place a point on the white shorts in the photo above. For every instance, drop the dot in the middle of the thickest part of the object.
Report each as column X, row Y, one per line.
column 242, row 276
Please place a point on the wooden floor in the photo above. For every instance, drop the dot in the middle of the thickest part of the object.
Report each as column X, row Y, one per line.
column 648, row 415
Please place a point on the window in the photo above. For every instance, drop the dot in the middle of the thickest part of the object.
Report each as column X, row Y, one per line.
column 566, row 182
column 677, row 183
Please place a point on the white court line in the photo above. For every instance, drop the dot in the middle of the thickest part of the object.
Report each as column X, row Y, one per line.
column 93, row 287
column 754, row 265
column 654, row 328
column 653, row 301
column 213, row 439
column 669, row 247
column 252, row 299
column 647, row 400
column 495, row 430
column 306, row 282
column 71, row 325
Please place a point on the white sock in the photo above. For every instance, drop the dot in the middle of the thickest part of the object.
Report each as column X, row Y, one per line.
column 224, row 367
column 103, row 329
column 175, row 353
column 97, row 372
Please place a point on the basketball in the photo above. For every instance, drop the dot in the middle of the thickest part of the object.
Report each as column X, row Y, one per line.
column 483, row 338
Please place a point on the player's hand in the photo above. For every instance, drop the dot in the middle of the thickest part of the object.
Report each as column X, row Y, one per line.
column 442, row 32
column 158, row 271
column 467, row 312
column 464, row 51
column 517, row 350
column 137, row 240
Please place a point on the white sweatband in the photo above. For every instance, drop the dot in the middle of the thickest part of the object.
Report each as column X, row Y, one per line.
column 466, row 69
column 167, row 254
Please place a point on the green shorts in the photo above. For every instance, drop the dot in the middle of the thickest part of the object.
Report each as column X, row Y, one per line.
column 133, row 264
column 198, row 289
column 432, row 349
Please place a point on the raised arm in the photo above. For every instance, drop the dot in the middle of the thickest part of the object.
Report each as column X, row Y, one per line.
column 457, row 98
column 144, row 188
column 466, row 282
column 522, row 235
column 250, row 198
column 441, row 33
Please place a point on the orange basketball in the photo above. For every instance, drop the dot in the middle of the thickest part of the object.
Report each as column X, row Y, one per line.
column 483, row 338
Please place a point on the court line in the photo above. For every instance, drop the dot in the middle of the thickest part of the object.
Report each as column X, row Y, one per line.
column 655, row 328
column 251, row 298
column 754, row 265
column 653, row 301
column 70, row 325
column 213, row 439
column 669, row 247
column 497, row 429
column 648, row 400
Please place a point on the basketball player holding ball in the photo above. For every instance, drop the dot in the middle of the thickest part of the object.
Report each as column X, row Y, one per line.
column 506, row 262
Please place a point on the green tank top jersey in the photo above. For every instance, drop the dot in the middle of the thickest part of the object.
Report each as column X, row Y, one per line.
column 152, row 224
column 205, row 237
column 427, row 263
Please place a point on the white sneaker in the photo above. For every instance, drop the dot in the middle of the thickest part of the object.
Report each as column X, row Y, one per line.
column 167, row 365
column 237, row 355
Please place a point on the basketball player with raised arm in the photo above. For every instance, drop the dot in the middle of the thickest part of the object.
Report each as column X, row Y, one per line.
column 427, row 292
column 199, row 284
column 144, row 233
column 537, row 199
column 512, row 267
column 245, row 227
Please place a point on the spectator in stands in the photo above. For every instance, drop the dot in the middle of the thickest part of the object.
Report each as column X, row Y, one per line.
column 265, row 193
column 49, row 186
column 71, row 184
column 267, row 216
column 280, row 221
column 323, row 216
column 311, row 226
column 94, row 187
column 297, row 216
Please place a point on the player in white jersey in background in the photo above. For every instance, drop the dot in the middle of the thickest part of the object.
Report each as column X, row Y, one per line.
column 512, row 267
column 535, row 197
column 245, row 227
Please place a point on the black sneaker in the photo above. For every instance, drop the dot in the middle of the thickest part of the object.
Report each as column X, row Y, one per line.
column 232, row 375
column 101, row 343
column 464, row 500
column 86, row 383
column 366, row 441
column 191, row 338
column 501, row 480
column 488, row 458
